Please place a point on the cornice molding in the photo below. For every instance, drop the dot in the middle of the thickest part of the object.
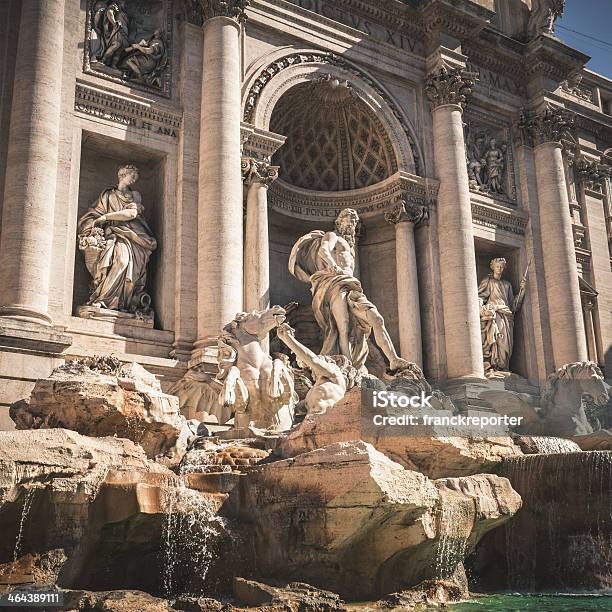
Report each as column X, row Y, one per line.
column 497, row 218
column 368, row 202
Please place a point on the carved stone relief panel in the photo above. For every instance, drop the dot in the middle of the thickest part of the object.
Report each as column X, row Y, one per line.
column 130, row 42
column 489, row 157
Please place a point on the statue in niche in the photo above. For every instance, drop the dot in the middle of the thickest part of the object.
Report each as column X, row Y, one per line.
column 117, row 243
column 118, row 43
column 544, row 13
column 498, row 306
column 326, row 261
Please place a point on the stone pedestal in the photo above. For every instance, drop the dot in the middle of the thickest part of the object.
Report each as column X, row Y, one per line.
column 32, row 160
column 114, row 316
column 405, row 217
column 220, row 239
column 447, row 90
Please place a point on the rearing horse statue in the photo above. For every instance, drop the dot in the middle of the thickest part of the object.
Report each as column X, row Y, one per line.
column 258, row 389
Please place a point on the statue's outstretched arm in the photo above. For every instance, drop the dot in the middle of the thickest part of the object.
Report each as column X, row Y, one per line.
column 318, row 365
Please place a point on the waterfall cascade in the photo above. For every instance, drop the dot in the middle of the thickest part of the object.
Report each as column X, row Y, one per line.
column 561, row 539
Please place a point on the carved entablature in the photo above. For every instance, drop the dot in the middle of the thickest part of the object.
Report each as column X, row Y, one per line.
column 498, row 218
column 403, row 211
column 551, row 125
column 368, row 202
column 259, row 144
column 448, row 86
column 489, row 156
column 130, row 42
column 127, row 111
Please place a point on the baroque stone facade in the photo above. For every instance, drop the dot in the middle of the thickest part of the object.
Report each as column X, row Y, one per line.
column 458, row 135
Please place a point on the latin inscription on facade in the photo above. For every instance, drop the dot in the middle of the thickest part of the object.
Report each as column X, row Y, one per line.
column 492, row 80
column 376, row 31
column 93, row 102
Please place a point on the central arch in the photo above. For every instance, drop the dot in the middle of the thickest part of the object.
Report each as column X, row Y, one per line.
column 268, row 82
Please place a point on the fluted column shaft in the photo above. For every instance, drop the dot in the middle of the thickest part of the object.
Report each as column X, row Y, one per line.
column 220, row 235
column 256, row 247
column 447, row 90
column 558, row 251
column 405, row 218
column 31, row 168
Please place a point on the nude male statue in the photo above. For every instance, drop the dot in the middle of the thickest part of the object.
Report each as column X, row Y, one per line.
column 326, row 261
column 333, row 375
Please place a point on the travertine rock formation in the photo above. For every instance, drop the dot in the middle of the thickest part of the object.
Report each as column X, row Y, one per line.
column 49, row 480
column 95, row 513
column 434, row 455
column 348, row 519
column 100, row 397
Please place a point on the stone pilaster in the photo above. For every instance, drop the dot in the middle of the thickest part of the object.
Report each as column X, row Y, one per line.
column 544, row 131
column 31, row 169
column 220, row 235
column 405, row 217
column 259, row 175
column 448, row 90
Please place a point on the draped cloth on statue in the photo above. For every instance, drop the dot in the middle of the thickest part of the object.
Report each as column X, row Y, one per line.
column 497, row 322
column 120, row 270
column 326, row 285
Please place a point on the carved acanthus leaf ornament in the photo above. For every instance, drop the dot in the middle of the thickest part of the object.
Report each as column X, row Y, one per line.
column 449, row 86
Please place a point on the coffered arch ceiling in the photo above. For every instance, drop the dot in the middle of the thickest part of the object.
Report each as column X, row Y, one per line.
column 334, row 141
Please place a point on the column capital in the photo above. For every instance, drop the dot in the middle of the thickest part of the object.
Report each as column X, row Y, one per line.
column 404, row 212
column 552, row 125
column 591, row 173
column 447, row 85
column 198, row 11
column 258, row 171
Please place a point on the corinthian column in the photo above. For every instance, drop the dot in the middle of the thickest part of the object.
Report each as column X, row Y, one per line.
column 448, row 90
column 405, row 217
column 31, row 167
column 220, row 240
column 544, row 132
column 259, row 176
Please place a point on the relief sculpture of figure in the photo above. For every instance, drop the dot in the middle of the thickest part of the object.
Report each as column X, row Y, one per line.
column 326, row 261
column 111, row 23
column 498, row 306
column 544, row 13
column 117, row 243
column 146, row 60
column 494, row 167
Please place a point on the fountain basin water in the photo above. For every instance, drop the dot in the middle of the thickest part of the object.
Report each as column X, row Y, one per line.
column 561, row 539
